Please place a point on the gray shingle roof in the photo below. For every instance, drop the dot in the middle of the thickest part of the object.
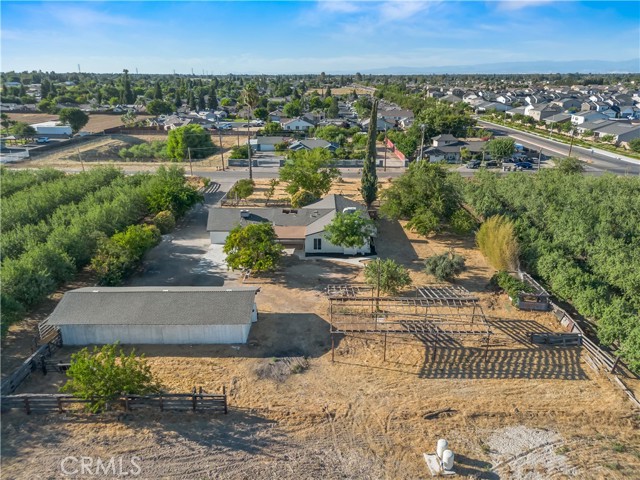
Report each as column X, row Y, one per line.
column 155, row 306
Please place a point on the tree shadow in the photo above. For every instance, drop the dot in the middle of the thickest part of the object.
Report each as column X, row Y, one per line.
column 473, row 468
column 392, row 241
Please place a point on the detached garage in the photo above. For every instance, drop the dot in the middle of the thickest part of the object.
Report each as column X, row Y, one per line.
column 155, row 315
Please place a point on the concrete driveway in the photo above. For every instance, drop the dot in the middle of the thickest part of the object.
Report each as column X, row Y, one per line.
column 185, row 257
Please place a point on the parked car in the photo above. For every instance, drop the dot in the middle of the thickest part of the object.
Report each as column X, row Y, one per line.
column 491, row 163
column 42, row 140
column 474, row 164
column 225, row 126
column 524, row 166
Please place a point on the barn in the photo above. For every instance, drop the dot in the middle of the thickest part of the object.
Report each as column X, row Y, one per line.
column 155, row 315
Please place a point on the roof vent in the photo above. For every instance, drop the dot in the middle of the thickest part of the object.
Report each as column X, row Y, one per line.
column 349, row 210
column 245, row 213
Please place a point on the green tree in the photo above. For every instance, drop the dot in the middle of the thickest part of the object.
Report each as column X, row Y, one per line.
column 444, row 267
column 157, row 91
column 302, row 198
column 75, row 117
column 310, row 170
column 105, row 373
column 271, row 128
column 270, row 192
column 189, row 138
column 261, row 113
column 159, row 107
column 253, row 247
column 6, row 121
column 212, row 98
column 350, row 230
column 127, row 93
column 333, row 110
column 239, row 152
column 129, row 118
column 386, row 275
column 369, row 183
column 165, row 221
column 569, row 165
column 47, row 106
column 242, row 189
column 426, row 195
column 501, row 148
column 22, row 130
column 292, row 109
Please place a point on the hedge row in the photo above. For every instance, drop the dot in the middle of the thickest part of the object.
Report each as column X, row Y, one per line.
column 38, row 202
column 15, row 180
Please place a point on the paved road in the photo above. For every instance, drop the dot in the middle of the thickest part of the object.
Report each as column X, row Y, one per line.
column 599, row 160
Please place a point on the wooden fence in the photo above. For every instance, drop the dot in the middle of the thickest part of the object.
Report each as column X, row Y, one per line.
column 35, row 361
column 196, row 401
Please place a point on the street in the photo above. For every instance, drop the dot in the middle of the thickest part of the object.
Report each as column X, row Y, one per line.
column 598, row 159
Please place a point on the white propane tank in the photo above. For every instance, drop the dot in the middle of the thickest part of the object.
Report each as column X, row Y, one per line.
column 441, row 447
column 447, row 459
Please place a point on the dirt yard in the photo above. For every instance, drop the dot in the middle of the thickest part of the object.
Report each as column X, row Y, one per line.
column 104, row 151
column 526, row 412
column 97, row 123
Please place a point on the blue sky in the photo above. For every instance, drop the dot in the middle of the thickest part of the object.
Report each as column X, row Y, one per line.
column 310, row 36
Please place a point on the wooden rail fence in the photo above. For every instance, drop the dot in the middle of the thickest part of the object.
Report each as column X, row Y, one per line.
column 35, row 361
column 196, row 401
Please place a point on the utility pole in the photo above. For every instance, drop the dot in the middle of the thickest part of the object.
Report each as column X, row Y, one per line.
column 80, row 157
column 221, row 149
column 249, row 146
column 190, row 164
column 539, row 158
column 385, row 149
column 573, row 131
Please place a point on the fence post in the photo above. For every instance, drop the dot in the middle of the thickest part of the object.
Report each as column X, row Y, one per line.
column 60, row 410
column 43, row 365
column 27, row 407
column 224, row 392
column 161, row 403
column 193, row 398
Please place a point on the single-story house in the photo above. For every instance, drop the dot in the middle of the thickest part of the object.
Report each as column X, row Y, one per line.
column 381, row 125
column 155, row 315
column 301, row 228
column 266, row 144
column 52, row 127
column 296, row 124
column 620, row 131
column 311, row 143
column 446, row 147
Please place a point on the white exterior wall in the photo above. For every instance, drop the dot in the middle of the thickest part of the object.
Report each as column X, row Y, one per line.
column 154, row 334
column 218, row 237
column 328, row 247
column 52, row 130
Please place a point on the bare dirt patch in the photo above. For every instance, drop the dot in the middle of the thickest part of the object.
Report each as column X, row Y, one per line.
column 526, row 410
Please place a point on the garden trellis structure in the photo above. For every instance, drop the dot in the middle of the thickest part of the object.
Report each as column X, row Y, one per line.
column 433, row 314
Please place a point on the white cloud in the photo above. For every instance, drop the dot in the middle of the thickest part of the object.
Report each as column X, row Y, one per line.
column 78, row 16
column 339, row 6
column 390, row 11
column 520, row 4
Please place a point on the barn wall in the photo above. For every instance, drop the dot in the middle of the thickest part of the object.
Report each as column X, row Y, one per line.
column 154, row 334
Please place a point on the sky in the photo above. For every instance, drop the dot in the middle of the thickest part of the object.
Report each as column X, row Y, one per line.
column 221, row 37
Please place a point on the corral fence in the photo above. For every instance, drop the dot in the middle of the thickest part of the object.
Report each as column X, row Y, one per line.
column 37, row 360
column 196, row 401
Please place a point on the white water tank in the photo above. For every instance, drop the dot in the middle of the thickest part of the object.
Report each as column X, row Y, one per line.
column 447, row 459
column 441, row 447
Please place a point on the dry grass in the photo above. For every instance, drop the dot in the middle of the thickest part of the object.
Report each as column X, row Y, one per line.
column 97, row 122
column 360, row 417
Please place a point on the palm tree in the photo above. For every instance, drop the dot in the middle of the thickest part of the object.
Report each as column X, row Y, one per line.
column 250, row 97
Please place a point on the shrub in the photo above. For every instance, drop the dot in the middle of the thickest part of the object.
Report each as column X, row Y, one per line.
column 242, row 189
column 302, row 198
column 105, row 373
column 445, row 267
column 165, row 221
column 497, row 241
column 239, row 152
column 511, row 285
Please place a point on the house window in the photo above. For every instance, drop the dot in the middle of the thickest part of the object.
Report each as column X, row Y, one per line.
column 317, row 244
column 297, row 127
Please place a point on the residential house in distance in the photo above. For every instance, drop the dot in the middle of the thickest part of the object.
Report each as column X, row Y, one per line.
column 296, row 124
column 540, row 111
column 52, row 127
column 266, row 144
column 301, row 228
column 447, row 148
column 381, row 126
column 311, row 143
column 586, row 116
